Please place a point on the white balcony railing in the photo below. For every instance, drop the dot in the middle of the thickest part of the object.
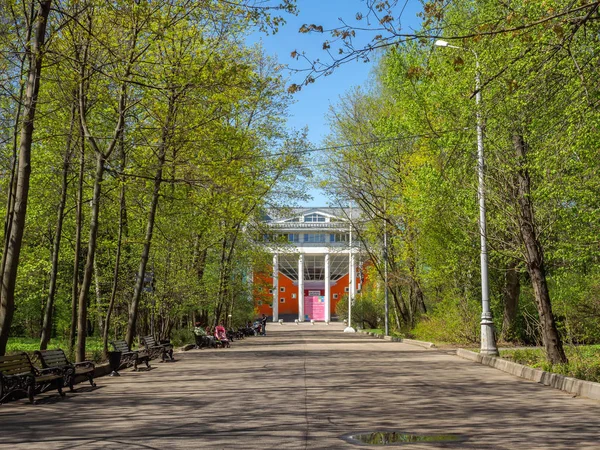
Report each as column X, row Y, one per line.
column 309, row 225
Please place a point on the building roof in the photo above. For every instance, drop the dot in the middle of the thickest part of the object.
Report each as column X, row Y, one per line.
column 281, row 215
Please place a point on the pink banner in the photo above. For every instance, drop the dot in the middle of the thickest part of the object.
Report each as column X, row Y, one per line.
column 314, row 307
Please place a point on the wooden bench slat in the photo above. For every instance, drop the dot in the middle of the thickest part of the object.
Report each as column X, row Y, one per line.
column 45, row 378
column 51, row 361
column 11, row 364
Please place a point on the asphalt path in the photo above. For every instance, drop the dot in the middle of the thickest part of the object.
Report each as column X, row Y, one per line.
column 304, row 387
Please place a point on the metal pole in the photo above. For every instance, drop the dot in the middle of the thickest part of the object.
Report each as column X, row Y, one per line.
column 350, row 275
column 488, row 340
column 385, row 279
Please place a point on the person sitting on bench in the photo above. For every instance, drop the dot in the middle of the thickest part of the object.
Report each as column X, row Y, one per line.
column 201, row 337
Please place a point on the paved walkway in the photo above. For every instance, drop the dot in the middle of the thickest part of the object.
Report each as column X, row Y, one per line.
column 302, row 387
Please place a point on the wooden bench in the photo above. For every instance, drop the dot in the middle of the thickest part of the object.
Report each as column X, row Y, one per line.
column 205, row 341
column 17, row 374
column 57, row 358
column 131, row 357
column 155, row 349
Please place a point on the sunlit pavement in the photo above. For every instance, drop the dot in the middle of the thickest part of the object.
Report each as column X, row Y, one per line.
column 304, row 386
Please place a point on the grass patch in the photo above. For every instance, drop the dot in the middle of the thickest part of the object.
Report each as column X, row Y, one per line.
column 584, row 361
column 374, row 330
column 93, row 349
column 380, row 331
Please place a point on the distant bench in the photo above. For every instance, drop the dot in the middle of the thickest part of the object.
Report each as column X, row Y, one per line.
column 155, row 349
column 131, row 357
column 17, row 374
column 58, row 359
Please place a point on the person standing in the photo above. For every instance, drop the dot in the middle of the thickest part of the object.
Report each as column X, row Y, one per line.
column 264, row 325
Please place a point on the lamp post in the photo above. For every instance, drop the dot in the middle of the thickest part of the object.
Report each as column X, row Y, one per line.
column 385, row 273
column 488, row 340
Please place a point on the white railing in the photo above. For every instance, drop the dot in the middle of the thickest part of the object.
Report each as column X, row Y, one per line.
column 310, row 225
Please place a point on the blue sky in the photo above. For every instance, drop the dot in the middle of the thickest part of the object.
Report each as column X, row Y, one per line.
column 313, row 101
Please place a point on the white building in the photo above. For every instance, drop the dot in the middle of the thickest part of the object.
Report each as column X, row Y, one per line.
column 314, row 253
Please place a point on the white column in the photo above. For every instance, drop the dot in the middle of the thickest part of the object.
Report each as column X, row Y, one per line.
column 351, row 279
column 327, row 289
column 301, row 288
column 352, row 276
column 275, row 288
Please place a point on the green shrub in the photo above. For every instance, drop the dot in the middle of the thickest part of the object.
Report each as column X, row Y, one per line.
column 93, row 350
column 367, row 309
column 454, row 321
column 182, row 337
column 534, row 357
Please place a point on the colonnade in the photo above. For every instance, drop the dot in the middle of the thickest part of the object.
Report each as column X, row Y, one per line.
column 300, row 294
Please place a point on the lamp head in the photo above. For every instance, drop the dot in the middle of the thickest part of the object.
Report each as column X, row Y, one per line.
column 442, row 43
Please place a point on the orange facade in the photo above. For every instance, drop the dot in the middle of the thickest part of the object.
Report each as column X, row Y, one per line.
column 288, row 293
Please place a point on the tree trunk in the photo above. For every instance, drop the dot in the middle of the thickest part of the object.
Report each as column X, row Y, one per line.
column 227, row 252
column 113, row 293
column 77, row 251
column 139, row 284
column 101, row 157
column 89, row 263
column 534, row 257
column 98, row 292
column 15, row 238
column 512, row 290
column 12, row 185
column 47, row 326
column 397, row 317
column 396, row 293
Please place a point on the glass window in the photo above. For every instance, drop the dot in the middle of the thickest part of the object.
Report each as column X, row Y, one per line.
column 315, row 237
column 314, row 218
column 282, row 288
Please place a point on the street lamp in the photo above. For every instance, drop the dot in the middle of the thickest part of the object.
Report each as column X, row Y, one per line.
column 385, row 272
column 488, row 340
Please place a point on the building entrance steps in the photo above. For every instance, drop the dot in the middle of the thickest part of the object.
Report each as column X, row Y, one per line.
column 305, row 387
